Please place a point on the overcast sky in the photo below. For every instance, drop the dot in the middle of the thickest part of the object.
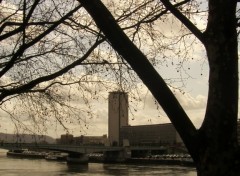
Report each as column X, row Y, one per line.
column 194, row 75
column 193, row 101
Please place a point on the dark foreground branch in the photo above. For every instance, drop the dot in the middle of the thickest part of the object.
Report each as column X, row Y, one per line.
column 140, row 64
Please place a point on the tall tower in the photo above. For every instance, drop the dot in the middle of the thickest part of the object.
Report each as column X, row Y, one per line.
column 117, row 115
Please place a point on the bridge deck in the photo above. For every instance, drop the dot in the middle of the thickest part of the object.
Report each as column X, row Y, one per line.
column 74, row 148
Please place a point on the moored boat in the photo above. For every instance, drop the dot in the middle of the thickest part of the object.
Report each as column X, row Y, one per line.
column 24, row 153
column 56, row 156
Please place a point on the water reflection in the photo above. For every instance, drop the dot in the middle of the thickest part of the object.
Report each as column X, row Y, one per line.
column 147, row 170
column 115, row 169
column 39, row 167
column 77, row 168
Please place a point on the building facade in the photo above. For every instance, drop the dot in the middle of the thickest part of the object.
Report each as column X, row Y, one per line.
column 148, row 135
column 91, row 140
column 66, row 139
column 119, row 130
column 117, row 115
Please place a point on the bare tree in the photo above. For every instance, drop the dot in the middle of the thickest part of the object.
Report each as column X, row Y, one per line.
column 40, row 42
column 43, row 43
column 48, row 47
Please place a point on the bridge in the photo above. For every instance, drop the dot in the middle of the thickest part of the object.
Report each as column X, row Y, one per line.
column 62, row 148
column 78, row 153
column 75, row 148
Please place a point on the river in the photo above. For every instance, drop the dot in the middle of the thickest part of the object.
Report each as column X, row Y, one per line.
column 42, row 167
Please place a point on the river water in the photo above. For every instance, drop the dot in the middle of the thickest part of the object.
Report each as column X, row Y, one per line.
column 41, row 167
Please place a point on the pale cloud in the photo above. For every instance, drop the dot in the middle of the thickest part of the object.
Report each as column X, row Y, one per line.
column 149, row 113
column 190, row 103
column 186, row 100
column 7, row 9
column 5, row 80
column 99, row 124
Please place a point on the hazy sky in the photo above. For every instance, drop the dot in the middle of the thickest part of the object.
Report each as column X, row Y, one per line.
column 193, row 101
column 195, row 80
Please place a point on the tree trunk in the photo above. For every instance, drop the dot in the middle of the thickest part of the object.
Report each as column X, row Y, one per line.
column 214, row 163
column 219, row 151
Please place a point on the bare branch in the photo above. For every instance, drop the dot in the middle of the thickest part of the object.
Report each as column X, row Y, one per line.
column 27, row 87
column 34, row 41
column 184, row 20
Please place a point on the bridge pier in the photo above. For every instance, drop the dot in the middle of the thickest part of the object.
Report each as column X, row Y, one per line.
column 117, row 156
column 77, row 158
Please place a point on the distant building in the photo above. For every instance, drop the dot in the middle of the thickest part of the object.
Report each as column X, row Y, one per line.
column 26, row 138
column 91, row 140
column 117, row 115
column 121, row 133
column 159, row 134
column 119, row 130
column 66, row 139
column 82, row 140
